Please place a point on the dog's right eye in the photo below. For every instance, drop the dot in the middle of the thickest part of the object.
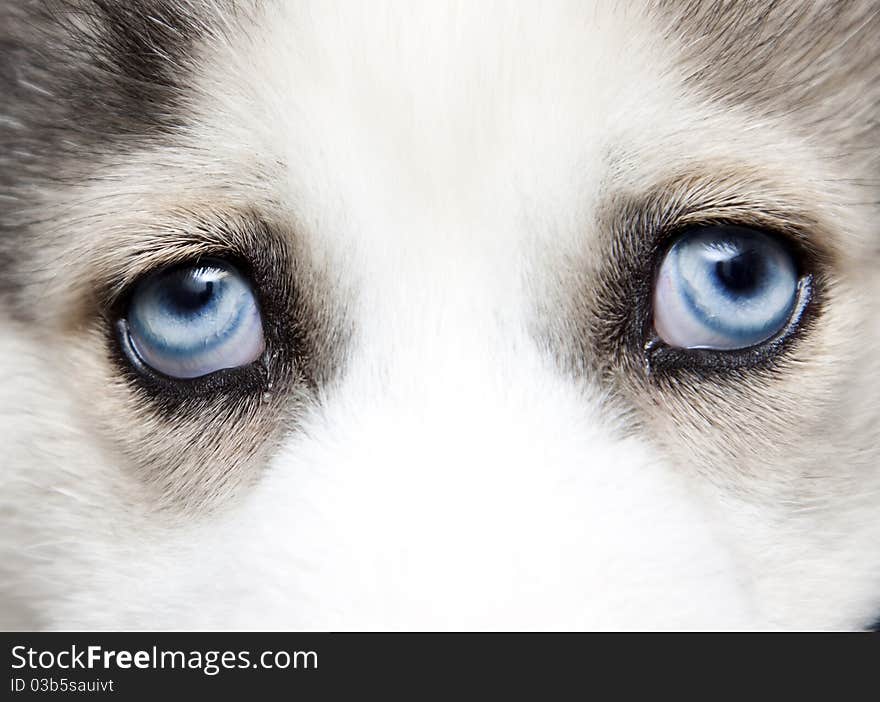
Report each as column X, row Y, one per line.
column 192, row 320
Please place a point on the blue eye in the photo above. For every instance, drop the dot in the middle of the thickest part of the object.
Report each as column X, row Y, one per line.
column 189, row 321
column 724, row 288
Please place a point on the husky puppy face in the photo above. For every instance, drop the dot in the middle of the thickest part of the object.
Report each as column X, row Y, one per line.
column 439, row 315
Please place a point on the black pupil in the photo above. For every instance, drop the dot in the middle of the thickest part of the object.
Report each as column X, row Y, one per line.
column 742, row 273
column 189, row 292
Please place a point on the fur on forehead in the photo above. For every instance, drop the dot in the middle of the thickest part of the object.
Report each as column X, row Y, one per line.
column 88, row 76
column 814, row 64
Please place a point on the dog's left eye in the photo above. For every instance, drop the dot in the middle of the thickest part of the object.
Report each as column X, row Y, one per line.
column 192, row 320
column 724, row 288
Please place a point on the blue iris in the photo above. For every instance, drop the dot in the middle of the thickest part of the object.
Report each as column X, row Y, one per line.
column 725, row 288
column 189, row 321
